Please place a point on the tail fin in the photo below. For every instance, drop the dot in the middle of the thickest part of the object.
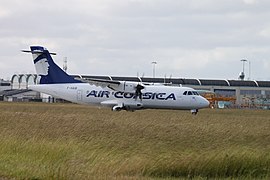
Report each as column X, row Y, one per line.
column 49, row 72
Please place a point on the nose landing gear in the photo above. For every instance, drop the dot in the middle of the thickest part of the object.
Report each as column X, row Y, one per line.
column 194, row 111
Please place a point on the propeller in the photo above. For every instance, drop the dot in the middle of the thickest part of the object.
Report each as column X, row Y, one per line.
column 138, row 92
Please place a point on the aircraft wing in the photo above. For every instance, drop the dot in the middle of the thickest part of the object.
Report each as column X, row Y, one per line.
column 114, row 85
column 124, row 86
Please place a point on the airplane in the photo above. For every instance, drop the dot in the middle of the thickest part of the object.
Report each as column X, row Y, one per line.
column 117, row 95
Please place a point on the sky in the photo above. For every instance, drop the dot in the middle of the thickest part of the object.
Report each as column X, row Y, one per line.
column 204, row 39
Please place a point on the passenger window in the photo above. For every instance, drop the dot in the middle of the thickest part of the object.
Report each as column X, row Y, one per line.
column 185, row 93
column 189, row 93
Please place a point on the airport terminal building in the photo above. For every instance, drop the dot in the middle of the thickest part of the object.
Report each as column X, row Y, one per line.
column 228, row 93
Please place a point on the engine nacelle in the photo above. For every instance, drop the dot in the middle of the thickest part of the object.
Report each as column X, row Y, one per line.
column 126, row 86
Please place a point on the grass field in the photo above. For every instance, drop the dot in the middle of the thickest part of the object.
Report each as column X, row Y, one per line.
column 67, row 141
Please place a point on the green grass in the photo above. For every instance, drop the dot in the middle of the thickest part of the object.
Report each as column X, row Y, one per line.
column 67, row 141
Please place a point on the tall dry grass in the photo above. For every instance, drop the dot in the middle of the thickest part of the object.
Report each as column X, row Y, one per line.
column 67, row 141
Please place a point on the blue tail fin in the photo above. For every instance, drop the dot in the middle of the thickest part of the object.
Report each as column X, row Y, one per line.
column 49, row 72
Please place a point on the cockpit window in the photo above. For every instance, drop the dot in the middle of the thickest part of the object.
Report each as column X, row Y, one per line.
column 191, row 93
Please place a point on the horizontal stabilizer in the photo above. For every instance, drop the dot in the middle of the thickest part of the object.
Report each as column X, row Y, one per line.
column 36, row 52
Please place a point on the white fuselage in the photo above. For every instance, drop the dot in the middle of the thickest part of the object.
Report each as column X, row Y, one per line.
column 153, row 96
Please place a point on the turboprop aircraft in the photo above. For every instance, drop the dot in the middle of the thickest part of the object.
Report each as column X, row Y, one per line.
column 118, row 95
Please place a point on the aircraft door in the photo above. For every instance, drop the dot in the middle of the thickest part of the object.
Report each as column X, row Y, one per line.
column 79, row 95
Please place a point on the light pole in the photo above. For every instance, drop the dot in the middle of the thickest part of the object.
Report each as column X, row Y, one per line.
column 249, row 70
column 154, row 68
column 242, row 74
column 243, row 60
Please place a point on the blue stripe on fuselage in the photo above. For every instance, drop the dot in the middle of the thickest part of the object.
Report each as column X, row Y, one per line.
column 121, row 95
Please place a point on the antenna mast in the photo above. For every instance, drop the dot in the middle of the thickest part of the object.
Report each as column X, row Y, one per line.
column 65, row 64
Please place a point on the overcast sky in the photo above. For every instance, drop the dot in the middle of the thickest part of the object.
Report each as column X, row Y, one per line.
column 187, row 38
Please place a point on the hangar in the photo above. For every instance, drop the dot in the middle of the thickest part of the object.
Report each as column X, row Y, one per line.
column 17, row 88
column 231, row 93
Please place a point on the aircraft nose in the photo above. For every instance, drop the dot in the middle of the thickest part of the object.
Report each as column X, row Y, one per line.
column 204, row 103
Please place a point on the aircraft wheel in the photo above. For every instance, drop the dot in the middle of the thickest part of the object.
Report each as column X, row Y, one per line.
column 194, row 111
